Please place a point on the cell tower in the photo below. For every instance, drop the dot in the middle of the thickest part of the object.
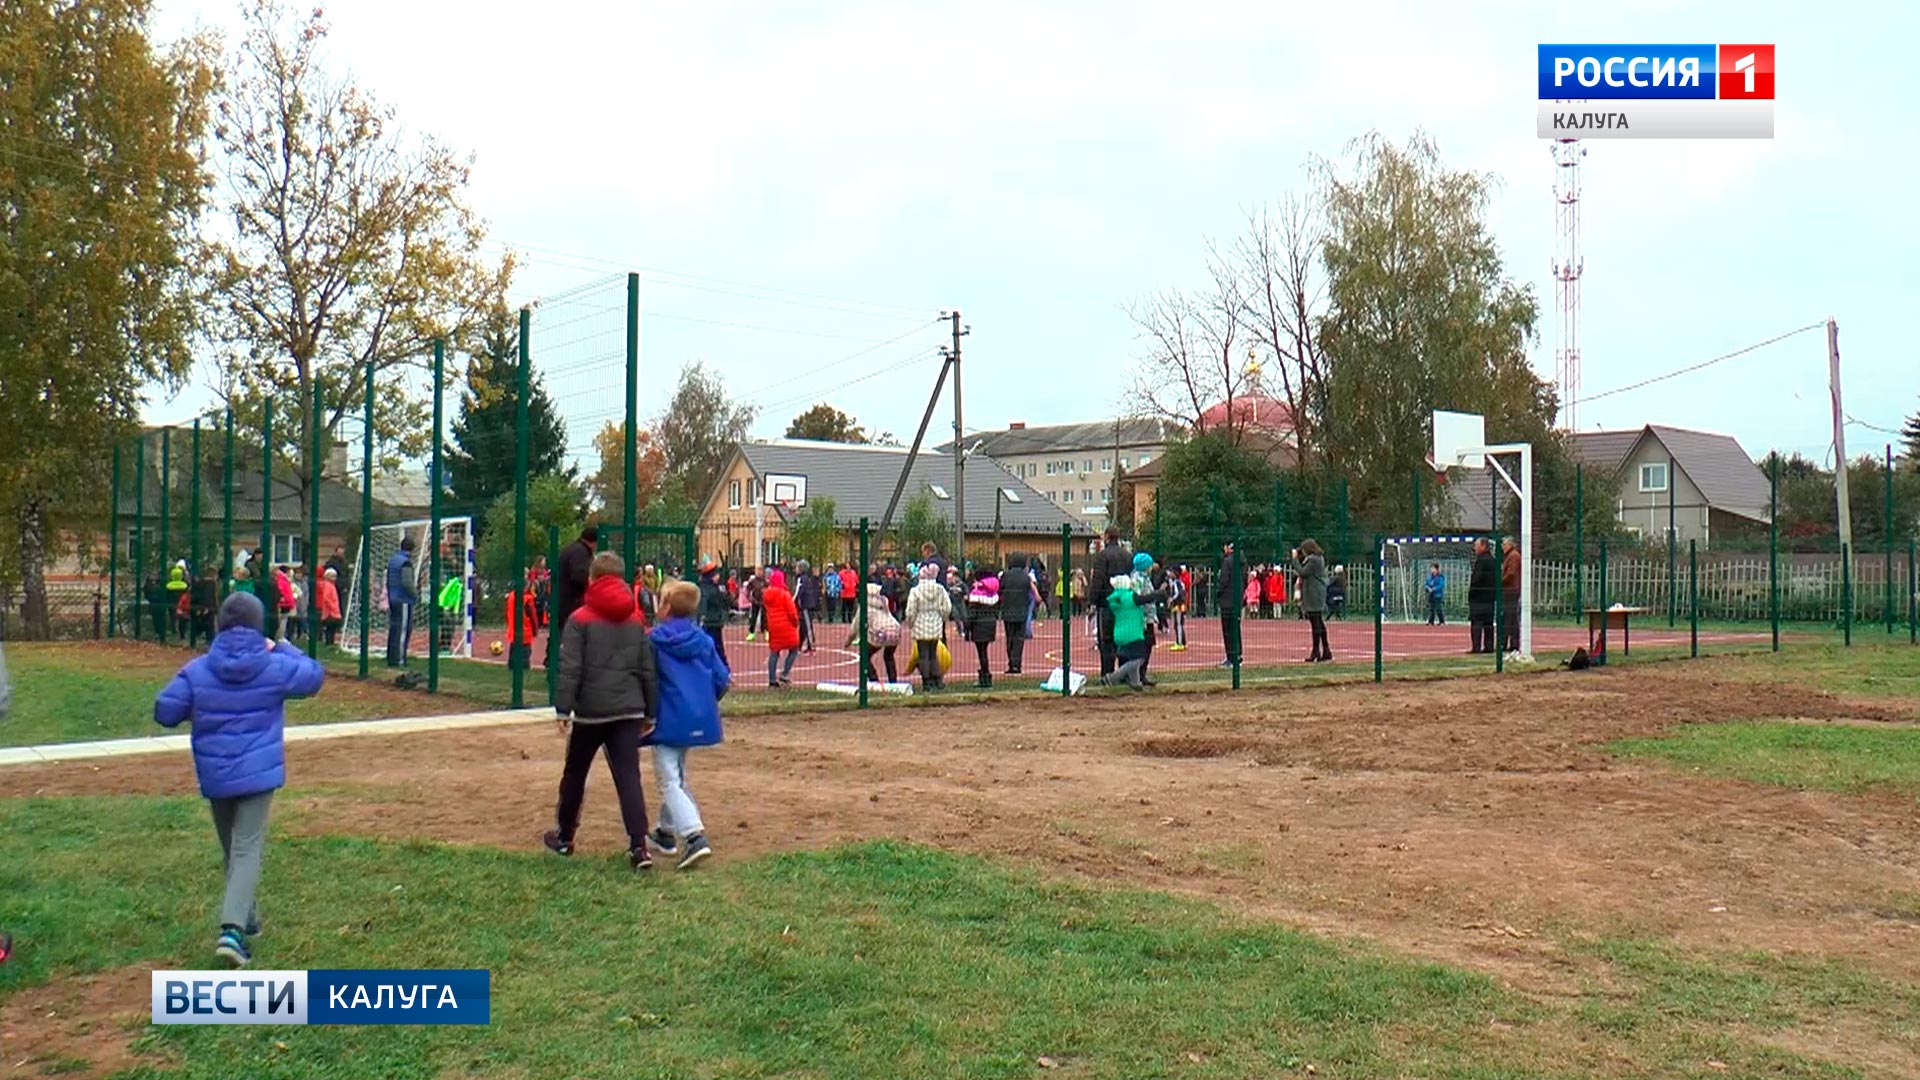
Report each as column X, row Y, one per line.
column 1567, row 265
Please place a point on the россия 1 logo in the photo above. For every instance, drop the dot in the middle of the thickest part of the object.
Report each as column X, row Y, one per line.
column 1655, row 92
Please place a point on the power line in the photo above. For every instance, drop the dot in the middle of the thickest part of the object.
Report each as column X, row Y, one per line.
column 1703, row 364
column 831, row 364
column 891, row 365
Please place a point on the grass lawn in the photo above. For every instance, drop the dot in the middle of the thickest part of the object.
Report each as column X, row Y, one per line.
column 1875, row 666
column 876, row 960
column 1826, row 757
column 69, row 692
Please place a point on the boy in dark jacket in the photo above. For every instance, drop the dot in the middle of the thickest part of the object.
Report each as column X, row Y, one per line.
column 713, row 608
column 693, row 679
column 236, row 696
column 609, row 689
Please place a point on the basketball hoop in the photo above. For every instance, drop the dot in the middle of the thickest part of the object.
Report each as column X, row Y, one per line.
column 786, row 507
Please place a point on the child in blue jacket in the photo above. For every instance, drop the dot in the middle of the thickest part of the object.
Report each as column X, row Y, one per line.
column 235, row 696
column 693, row 679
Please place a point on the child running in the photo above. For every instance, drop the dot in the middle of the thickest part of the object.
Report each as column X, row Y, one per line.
column 235, row 696
column 693, row 679
column 609, row 689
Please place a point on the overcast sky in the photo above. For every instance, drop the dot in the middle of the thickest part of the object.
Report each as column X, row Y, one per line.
column 826, row 177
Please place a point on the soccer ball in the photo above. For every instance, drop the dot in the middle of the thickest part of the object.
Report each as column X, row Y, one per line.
column 496, row 648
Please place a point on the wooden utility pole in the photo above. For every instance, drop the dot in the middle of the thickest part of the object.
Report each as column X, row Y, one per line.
column 1843, row 505
column 959, row 449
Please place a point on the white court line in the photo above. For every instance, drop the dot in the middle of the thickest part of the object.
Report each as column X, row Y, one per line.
column 162, row 744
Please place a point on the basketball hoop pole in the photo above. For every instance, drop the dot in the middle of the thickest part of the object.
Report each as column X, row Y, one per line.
column 1523, row 490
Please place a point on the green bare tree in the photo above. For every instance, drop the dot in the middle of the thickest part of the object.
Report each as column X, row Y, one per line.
column 347, row 245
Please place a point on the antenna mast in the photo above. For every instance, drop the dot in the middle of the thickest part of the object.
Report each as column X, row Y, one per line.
column 1567, row 266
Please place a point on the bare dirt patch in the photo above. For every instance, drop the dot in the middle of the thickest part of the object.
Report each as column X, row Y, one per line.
column 80, row 1026
column 1478, row 821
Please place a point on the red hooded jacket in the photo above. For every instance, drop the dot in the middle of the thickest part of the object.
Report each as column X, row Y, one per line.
column 783, row 615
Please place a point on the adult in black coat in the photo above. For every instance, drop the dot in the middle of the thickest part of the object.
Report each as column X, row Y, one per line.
column 1482, row 586
column 1016, row 592
column 1110, row 562
column 570, row 583
column 1232, row 597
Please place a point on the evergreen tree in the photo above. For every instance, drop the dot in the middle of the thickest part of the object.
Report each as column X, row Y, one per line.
column 1911, row 434
column 480, row 460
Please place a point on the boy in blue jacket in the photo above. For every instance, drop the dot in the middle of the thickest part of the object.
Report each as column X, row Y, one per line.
column 693, row 679
column 236, row 696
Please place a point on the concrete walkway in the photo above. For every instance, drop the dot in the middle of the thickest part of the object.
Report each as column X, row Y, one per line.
column 162, row 744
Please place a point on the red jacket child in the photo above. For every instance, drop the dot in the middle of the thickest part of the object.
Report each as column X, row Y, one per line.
column 783, row 615
column 1277, row 586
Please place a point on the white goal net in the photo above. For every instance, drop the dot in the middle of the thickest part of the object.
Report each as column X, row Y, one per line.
column 456, row 564
column 1418, row 570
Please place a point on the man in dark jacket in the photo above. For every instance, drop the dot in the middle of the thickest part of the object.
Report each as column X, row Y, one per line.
column 1111, row 562
column 1233, row 597
column 610, row 690
column 806, row 597
column 1016, row 592
column 713, row 607
column 570, row 584
column 1481, row 584
column 400, row 602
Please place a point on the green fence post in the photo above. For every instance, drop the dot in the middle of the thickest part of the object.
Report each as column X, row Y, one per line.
column 1380, row 597
column 860, row 593
column 520, row 451
column 629, row 514
column 1499, row 628
column 166, row 537
column 1889, row 540
column 1066, row 625
column 266, row 513
column 1673, row 546
column 1913, row 599
column 225, row 578
column 113, row 551
column 434, row 567
column 1579, row 544
column 196, row 563
column 1693, row 595
column 1279, row 512
column 1239, row 582
column 1604, row 650
column 1773, row 545
column 553, row 635
column 1417, row 483
column 1846, row 594
column 310, row 561
column 139, row 533
column 365, row 558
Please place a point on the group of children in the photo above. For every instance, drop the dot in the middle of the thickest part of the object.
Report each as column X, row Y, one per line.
column 621, row 686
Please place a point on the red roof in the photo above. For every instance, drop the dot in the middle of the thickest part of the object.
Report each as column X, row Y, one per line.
column 1249, row 411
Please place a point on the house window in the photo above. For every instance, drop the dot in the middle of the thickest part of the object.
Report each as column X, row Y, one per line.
column 289, row 550
column 1049, row 468
column 1086, row 466
column 1124, row 463
column 1653, row 477
column 1086, row 495
column 1106, row 464
column 1066, row 496
column 1144, row 458
column 1067, row 466
column 733, row 494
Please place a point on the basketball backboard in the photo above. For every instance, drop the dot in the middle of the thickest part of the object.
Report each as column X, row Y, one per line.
column 1459, row 439
column 788, row 490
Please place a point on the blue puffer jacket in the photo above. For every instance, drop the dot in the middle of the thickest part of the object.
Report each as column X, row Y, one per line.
column 692, row 682
column 400, row 579
column 236, row 697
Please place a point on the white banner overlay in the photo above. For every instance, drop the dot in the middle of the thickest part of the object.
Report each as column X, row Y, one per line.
column 1654, row 120
column 230, row 997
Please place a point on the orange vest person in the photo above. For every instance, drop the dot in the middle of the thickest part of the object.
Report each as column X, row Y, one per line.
column 523, row 624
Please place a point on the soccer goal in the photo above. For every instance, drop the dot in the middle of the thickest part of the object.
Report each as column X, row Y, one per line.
column 1408, row 582
column 456, row 560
